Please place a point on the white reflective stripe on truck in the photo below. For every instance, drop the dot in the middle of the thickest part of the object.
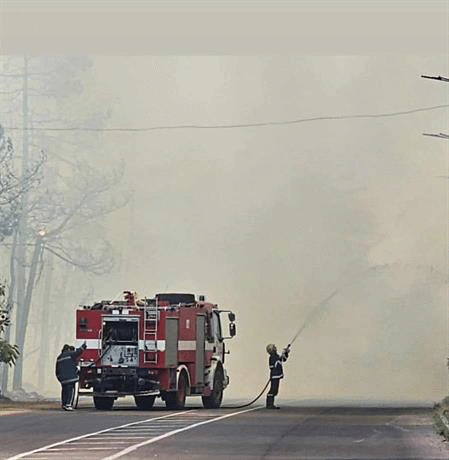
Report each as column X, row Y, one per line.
column 92, row 344
column 183, row 345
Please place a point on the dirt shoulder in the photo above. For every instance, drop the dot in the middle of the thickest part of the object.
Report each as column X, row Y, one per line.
column 7, row 405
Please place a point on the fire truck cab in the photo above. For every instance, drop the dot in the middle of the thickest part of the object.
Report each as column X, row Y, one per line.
column 170, row 346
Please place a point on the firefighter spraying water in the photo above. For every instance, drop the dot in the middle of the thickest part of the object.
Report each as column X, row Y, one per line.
column 276, row 372
column 170, row 346
column 275, row 358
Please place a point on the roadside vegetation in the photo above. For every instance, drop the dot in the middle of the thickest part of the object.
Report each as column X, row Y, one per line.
column 440, row 415
column 8, row 353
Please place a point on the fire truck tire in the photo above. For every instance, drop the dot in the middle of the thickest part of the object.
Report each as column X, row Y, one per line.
column 177, row 399
column 214, row 400
column 103, row 403
column 76, row 395
column 144, row 402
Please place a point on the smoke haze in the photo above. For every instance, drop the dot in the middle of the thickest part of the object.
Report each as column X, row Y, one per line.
column 270, row 220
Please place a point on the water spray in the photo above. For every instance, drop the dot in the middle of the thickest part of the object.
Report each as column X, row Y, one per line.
column 311, row 316
column 307, row 321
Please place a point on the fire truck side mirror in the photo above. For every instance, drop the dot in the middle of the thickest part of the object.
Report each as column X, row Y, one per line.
column 231, row 317
column 232, row 329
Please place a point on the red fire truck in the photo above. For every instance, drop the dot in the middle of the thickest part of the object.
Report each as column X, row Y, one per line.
column 169, row 346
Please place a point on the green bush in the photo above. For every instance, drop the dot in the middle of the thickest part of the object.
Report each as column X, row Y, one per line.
column 8, row 353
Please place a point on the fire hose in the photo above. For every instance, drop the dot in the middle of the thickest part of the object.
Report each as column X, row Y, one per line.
column 297, row 334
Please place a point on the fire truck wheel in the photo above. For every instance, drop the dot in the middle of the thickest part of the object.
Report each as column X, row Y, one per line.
column 103, row 403
column 177, row 399
column 144, row 402
column 76, row 395
column 214, row 400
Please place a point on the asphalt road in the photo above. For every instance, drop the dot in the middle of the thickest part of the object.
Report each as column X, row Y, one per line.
column 293, row 433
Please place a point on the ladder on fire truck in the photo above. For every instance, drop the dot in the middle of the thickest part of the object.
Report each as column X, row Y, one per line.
column 150, row 323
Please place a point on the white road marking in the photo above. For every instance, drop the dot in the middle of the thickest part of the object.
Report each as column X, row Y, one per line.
column 171, row 433
column 108, row 443
column 46, row 448
column 129, row 437
column 66, row 449
column 137, row 432
column 140, row 430
column 122, row 437
column 102, row 438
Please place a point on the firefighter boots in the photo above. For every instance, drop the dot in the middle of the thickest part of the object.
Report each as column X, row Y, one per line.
column 270, row 403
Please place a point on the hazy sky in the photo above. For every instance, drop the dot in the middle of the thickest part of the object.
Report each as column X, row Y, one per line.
column 270, row 220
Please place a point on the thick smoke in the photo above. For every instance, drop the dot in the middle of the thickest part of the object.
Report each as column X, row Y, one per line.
column 269, row 221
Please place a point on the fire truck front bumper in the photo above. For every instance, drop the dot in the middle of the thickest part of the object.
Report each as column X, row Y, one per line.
column 121, row 381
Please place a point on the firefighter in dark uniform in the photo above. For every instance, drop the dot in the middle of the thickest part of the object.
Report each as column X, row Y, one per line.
column 276, row 372
column 67, row 373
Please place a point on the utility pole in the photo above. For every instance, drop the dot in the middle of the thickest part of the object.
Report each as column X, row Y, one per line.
column 439, row 78
column 440, row 135
column 20, row 260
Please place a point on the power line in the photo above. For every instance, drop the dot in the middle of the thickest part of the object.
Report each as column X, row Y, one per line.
column 440, row 135
column 242, row 125
column 435, row 78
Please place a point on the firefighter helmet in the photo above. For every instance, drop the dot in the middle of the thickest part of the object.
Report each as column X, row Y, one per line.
column 271, row 348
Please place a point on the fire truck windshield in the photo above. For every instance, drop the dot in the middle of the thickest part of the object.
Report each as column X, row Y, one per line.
column 216, row 325
column 120, row 332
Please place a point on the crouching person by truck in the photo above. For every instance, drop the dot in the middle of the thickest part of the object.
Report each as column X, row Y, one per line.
column 67, row 373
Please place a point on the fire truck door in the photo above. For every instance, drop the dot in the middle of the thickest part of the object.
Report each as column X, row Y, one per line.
column 171, row 342
column 200, row 333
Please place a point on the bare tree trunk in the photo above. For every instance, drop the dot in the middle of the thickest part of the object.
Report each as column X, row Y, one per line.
column 61, row 294
column 45, row 324
column 22, row 326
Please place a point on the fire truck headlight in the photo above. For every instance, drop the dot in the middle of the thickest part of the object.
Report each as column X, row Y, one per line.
column 83, row 323
column 98, row 371
column 141, row 382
